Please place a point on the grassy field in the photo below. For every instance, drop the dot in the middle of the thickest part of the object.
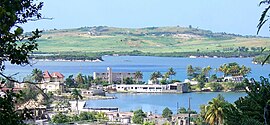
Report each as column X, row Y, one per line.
column 151, row 39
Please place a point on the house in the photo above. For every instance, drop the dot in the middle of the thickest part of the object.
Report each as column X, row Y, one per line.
column 233, row 78
column 120, row 117
column 156, row 119
column 182, row 119
column 52, row 82
column 112, row 77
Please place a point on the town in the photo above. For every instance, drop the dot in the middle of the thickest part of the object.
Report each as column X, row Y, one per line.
column 63, row 99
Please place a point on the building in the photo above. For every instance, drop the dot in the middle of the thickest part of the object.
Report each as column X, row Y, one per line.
column 120, row 117
column 152, row 88
column 112, row 77
column 52, row 82
column 182, row 119
column 233, row 79
column 92, row 92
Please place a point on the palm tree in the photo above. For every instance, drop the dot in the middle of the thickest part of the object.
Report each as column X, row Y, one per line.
column 37, row 75
column 215, row 111
column 138, row 75
column 76, row 95
column 190, row 71
column 155, row 76
column 171, row 72
column 79, row 79
column 225, row 69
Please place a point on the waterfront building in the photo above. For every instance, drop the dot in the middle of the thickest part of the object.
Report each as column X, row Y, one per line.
column 92, row 92
column 233, row 79
column 152, row 88
column 52, row 82
column 112, row 77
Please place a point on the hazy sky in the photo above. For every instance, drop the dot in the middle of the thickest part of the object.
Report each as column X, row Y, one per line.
column 232, row 16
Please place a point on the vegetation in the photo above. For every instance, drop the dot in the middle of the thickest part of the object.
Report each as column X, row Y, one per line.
column 167, row 113
column 215, row 109
column 262, row 59
column 233, row 69
column 76, row 95
column 138, row 116
column 15, row 47
column 183, row 110
column 73, row 44
column 84, row 116
column 154, row 77
column 205, row 79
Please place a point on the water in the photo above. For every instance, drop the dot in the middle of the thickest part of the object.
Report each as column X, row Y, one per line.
column 137, row 63
column 157, row 102
column 148, row 102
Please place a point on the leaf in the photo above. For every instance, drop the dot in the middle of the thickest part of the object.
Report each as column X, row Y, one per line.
column 266, row 59
column 18, row 31
column 262, row 19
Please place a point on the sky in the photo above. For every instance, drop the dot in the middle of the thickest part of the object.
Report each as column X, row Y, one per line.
column 231, row 16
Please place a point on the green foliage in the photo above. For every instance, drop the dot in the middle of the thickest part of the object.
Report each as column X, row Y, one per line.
column 28, row 93
column 183, row 110
column 167, row 113
column 128, row 81
column 8, row 115
column 13, row 14
column 138, row 75
column 234, row 69
column 154, row 76
column 148, row 123
column 261, row 59
column 37, row 75
column 88, row 116
column 138, row 116
column 215, row 86
column 61, row 118
column 215, row 111
column 254, row 106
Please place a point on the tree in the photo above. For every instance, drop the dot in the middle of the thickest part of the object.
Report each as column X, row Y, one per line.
column 190, row 71
column 138, row 75
column 88, row 116
column 79, row 79
column 154, row 76
column 60, row 118
column 15, row 46
column 12, row 14
column 167, row 113
column 70, row 81
column 138, row 116
column 76, row 95
column 171, row 72
column 214, row 111
column 37, row 75
column 254, row 106
column 233, row 69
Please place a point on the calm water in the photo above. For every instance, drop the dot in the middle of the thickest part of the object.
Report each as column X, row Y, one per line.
column 157, row 102
column 148, row 102
column 137, row 63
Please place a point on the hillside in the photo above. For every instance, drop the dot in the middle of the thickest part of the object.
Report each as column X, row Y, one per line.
column 147, row 40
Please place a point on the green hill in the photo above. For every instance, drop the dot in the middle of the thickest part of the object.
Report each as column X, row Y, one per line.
column 146, row 40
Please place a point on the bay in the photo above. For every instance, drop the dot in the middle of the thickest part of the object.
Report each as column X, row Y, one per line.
column 155, row 103
column 145, row 64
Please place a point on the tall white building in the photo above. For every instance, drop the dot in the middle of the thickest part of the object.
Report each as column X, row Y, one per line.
column 111, row 76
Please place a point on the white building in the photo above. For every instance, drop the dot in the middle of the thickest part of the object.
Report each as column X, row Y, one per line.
column 114, row 76
column 152, row 88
